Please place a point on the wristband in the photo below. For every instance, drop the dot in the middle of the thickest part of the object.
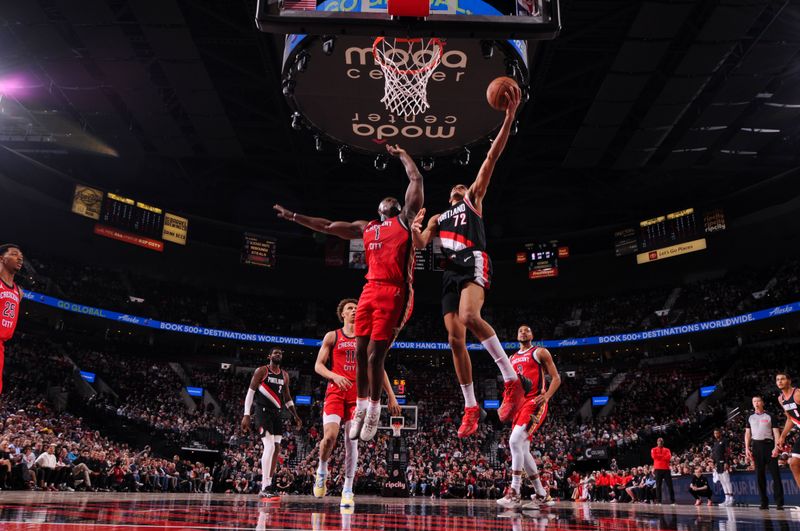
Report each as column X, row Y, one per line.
column 294, row 216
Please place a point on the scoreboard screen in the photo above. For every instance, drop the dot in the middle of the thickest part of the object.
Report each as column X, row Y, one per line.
column 132, row 216
column 670, row 229
column 542, row 259
column 431, row 258
column 258, row 250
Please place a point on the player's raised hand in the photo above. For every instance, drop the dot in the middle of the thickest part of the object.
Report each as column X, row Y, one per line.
column 513, row 96
column 395, row 150
column 283, row 213
column 416, row 224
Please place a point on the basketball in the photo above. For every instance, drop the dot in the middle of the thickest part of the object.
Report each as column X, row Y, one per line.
column 495, row 92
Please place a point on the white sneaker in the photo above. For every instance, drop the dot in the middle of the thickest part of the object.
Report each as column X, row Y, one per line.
column 356, row 424
column 370, row 427
column 511, row 500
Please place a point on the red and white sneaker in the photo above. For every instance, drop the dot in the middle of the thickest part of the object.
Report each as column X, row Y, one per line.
column 513, row 397
column 511, row 500
column 469, row 422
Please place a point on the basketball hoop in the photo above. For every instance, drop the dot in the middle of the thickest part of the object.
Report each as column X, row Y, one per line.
column 396, row 427
column 407, row 65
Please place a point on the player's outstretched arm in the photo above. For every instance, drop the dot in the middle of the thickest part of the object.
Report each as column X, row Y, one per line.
column 320, row 366
column 415, row 193
column 392, row 405
column 420, row 237
column 546, row 359
column 478, row 189
column 347, row 230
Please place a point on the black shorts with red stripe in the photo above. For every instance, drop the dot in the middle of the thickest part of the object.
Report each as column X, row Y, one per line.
column 268, row 420
column 467, row 265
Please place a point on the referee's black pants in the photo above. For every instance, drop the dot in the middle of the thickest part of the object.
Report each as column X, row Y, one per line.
column 664, row 475
column 762, row 456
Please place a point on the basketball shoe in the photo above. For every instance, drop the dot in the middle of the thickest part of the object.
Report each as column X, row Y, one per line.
column 320, row 485
column 469, row 422
column 357, row 423
column 370, row 427
column 513, row 397
column 511, row 500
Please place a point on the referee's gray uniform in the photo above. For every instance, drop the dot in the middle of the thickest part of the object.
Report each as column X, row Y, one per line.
column 760, row 427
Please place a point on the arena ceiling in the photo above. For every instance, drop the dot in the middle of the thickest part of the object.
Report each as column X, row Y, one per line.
column 639, row 107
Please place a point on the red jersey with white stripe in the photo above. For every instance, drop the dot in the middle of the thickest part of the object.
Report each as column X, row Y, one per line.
column 10, row 298
column 389, row 252
column 461, row 227
column 526, row 363
column 343, row 356
column 270, row 390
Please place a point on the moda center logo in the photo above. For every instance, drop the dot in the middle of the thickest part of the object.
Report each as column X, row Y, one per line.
column 360, row 63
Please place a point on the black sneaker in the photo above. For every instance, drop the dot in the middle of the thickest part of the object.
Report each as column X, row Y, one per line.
column 763, row 506
column 779, row 507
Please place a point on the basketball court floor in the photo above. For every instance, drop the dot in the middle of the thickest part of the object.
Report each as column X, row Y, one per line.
column 73, row 511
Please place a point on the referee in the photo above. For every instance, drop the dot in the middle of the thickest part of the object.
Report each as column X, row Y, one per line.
column 762, row 431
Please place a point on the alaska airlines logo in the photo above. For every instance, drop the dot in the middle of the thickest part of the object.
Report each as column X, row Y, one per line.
column 780, row 310
column 568, row 343
column 129, row 319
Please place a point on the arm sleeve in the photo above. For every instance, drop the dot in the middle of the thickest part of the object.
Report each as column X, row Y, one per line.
column 248, row 401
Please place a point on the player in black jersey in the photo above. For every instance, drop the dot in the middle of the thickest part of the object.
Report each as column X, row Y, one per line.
column 467, row 276
column 269, row 388
column 789, row 399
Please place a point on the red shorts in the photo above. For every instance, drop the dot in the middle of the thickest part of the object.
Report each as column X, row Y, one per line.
column 530, row 415
column 339, row 405
column 383, row 310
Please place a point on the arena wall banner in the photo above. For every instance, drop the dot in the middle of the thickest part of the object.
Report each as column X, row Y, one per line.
column 135, row 320
column 745, row 488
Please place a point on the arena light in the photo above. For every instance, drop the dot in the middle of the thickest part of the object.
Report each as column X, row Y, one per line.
column 344, row 154
column 302, row 400
column 487, row 49
column 328, row 44
column 194, row 391
column 427, row 163
column 297, row 121
column 88, row 376
column 491, row 404
column 463, row 158
column 318, row 143
column 381, row 161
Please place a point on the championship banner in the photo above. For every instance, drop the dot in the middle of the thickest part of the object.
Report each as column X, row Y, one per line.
column 133, row 239
column 86, row 201
column 175, row 229
column 716, row 324
column 672, row 250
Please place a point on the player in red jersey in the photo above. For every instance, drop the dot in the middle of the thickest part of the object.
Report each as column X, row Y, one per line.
column 468, row 276
column 387, row 298
column 11, row 261
column 339, row 346
column 531, row 362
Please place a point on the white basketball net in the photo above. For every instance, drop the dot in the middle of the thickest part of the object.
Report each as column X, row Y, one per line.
column 407, row 65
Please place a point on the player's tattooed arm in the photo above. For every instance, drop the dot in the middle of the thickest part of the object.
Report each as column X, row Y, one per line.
column 422, row 238
column 415, row 193
column 347, row 230
column 478, row 189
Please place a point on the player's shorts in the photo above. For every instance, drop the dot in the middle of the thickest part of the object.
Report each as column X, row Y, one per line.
column 339, row 406
column 796, row 447
column 383, row 310
column 268, row 421
column 468, row 265
column 530, row 415
column 719, row 467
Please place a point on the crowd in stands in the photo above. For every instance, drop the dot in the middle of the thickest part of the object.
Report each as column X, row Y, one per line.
column 699, row 300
